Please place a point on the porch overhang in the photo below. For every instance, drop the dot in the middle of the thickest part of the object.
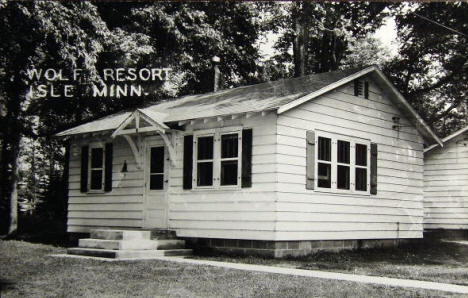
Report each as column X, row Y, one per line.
column 131, row 129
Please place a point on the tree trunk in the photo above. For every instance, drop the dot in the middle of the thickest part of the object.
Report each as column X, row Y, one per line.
column 300, row 44
column 13, row 195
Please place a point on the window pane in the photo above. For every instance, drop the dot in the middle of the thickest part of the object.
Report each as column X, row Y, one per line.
column 324, row 175
column 342, row 180
column 96, row 157
column 361, row 179
column 229, row 146
column 157, row 160
column 96, row 179
column 205, row 174
column 229, row 172
column 361, row 155
column 205, row 148
column 156, row 181
column 324, row 149
column 343, row 152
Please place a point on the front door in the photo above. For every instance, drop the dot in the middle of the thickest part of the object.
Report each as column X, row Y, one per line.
column 156, row 183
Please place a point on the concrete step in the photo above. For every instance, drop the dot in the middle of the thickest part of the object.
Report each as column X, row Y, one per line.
column 120, row 234
column 136, row 244
column 127, row 254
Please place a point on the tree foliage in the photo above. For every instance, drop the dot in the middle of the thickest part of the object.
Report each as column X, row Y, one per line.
column 316, row 36
column 431, row 69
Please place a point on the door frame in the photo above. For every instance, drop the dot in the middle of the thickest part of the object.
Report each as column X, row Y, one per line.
column 155, row 141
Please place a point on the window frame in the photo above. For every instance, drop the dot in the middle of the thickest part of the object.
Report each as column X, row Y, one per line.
column 334, row 137
column 90, row 168
column 217, row 133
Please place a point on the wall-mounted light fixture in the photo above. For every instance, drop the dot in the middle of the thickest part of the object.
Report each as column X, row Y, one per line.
column 124, row 167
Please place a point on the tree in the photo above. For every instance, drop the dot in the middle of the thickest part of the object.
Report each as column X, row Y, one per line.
column 431, row 69
column 37, row 34
column 185, row 37
column 315, row 37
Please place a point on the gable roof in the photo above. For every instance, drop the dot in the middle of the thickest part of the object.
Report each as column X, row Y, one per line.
column 280, row 95
column 447, row 139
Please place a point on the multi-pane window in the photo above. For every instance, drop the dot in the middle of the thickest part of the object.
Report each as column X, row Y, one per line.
column 217, row 158
column 157, row 168
column 205, row 161
column 361, row 167
column 342, row 163
column 96, row 169
column 229, row 159
column 324, row 162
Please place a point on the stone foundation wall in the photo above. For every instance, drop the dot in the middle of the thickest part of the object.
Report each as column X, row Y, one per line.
column 280, row 249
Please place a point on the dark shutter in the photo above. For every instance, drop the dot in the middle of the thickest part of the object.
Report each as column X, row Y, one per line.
column 356, row 87
column 108, row 167
column 84, row 169
column 188, row 161
column 366, row 90
column 373, row 169
column 247, row 158
column 310, row 160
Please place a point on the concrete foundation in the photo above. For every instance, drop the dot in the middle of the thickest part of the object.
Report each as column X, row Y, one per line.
column 280, row 249
column 446, row 234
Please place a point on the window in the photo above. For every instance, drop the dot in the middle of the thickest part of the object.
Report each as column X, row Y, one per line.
column 217, row 158
column 324, row 164
column 157, row 168
column 361, row 88
column 205, row 161
column 342, row 163
column 96, row 168
column 229, row 159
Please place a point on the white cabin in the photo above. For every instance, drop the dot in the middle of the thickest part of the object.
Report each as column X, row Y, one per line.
column 446, row 185
column 276, row 166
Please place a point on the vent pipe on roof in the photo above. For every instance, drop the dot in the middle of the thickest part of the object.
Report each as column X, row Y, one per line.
column 217, row 74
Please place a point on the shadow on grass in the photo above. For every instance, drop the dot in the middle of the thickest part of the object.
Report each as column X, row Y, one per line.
column 6, row 284
column 36, row 229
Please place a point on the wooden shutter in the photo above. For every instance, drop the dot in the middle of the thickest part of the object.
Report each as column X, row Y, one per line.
column 247, row 158
column 366, row 90
column 188, row 162
column 84, row 169
column 310, row 159
column 373, row 169
column 108, row 167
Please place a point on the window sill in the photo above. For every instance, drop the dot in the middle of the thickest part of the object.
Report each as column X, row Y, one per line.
column 96, row 191
column 215, row 188
column 342, row 192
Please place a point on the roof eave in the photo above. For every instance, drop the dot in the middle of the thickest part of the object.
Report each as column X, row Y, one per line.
column 447, row 138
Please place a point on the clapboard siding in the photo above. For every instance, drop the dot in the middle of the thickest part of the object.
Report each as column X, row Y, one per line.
column 446, row 186
column 202, row 212
column 397, row 209
column 122, row 207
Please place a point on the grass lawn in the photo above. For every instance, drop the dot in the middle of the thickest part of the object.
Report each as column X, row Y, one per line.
column 27, row 271
column 426, row 260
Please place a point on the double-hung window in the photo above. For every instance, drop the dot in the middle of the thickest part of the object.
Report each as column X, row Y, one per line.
column 205, row 158
column 343, row 163
column 96, row 168
column 216, row 160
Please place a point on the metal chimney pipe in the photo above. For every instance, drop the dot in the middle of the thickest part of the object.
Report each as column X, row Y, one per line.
column 217, row 74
